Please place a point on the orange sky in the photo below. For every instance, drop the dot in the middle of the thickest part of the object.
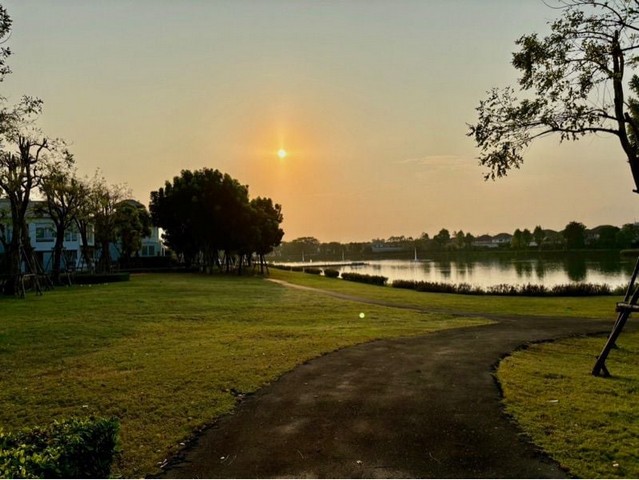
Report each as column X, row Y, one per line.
column 370, row 99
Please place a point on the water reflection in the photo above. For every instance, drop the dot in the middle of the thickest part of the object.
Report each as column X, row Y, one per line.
column 540, row 270
column 485, row 270
column 576, row 269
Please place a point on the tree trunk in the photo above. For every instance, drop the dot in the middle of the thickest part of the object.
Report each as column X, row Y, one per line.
column 57, row 254
column 105, row 257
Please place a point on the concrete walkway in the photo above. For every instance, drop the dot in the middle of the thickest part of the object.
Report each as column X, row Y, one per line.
column 408, row 408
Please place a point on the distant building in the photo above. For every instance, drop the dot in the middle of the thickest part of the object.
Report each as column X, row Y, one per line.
column 487, row 241
column 381, row 247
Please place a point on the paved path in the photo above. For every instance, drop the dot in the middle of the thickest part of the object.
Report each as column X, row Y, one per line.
column 414, row 407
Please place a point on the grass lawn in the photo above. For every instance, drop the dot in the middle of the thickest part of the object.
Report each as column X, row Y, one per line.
column 589, row 424
column 162, row 352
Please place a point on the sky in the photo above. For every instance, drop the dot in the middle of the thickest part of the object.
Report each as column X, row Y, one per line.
column 370, row 99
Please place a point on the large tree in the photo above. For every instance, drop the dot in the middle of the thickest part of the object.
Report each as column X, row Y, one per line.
column 206, row 213
column 575, row 235
column 64, row 194
column 104, row 199
column 132, row 224
column 25, row 155
column 267, row 218
column 574, row 81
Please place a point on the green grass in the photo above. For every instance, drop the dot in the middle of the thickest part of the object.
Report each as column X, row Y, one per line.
column 163, row 351
column 582, row 307
column 589, row 424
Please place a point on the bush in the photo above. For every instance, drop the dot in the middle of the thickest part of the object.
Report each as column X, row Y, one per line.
column 91, row 279
column 312, row 270
column 331, row 273
column 359, row 277
column 74, row 448
column 580, row 290
column 281, row 267
column 529, row 290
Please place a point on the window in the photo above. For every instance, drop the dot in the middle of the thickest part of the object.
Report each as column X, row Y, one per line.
column 71, row 235
column 44, row 232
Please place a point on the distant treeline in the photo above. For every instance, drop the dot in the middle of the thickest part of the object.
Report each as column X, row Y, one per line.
column 575, row 236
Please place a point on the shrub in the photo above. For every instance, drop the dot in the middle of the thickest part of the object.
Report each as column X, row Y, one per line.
column 580, row 290
column 331, row 273
column 297, row 269
column 74, row 448
column 359, row 277
column 312, row 270
column 530, row 290
column 281, row 267
column 87, row 279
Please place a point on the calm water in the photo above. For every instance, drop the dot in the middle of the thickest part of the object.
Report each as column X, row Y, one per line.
column 484, row 272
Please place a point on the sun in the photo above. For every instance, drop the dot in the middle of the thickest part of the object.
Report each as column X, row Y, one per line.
column 281, row 153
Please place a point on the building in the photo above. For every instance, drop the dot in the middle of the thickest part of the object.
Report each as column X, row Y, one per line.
column 42, row 235
column 487, row 241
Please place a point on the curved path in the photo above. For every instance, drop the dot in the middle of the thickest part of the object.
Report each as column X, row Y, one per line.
column 406, row 408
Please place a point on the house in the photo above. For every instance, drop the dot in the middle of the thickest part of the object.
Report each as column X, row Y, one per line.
column 42, row 234
column 499, row 240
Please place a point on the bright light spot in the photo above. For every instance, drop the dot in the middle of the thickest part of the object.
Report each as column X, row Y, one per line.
column 281, row 153
column 362, row 315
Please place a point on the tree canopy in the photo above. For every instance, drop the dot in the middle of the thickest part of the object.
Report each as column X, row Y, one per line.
column 205, row 214
column 575, row 81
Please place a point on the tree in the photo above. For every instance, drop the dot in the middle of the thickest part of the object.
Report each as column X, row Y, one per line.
column 5, row 30
column 628, row 236
column 64, row 194
column 607, row 236
column 25, row 156
column 442, row 238
column 538, row 236
column 205, row 213
column 104, row 200
column 574, row 82
column 176, row 208
column 526, row 238
column 304, row 247
column 84, row 222
column 132, row 223
column 267, row 218
column 516, row 241
column 575, row 235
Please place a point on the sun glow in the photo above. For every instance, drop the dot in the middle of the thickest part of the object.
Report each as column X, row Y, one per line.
column 281, row 153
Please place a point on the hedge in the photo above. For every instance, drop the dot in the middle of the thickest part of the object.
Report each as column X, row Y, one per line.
column 359, row 277
column 331, row 273
column 529, row 290
column 86, row 279
column 74, row 448
column 312, row 270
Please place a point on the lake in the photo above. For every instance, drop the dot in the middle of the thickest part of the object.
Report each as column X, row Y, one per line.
column 487, row 270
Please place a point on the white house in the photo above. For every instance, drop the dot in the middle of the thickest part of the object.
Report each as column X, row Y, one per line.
column 42, row 235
